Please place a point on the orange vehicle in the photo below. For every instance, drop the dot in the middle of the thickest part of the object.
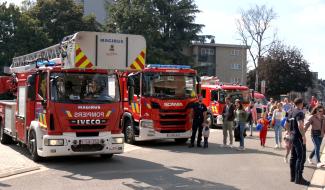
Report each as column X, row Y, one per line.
column 162, row 98
column 214, row 94
column 68, row 98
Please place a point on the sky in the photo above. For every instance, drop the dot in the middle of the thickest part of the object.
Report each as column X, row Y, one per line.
column 299, row 23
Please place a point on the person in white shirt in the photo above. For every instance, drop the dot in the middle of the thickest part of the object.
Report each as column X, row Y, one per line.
column 277, row 116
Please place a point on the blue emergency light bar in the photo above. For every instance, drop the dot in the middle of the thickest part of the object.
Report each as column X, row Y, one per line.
column 168, row 66
column 45, row 63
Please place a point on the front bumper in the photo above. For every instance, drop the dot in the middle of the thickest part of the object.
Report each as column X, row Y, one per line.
column 104, row 143
column 150, row 134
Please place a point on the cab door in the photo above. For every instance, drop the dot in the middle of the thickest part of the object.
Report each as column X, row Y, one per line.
column 41, row 100
column 21, row 112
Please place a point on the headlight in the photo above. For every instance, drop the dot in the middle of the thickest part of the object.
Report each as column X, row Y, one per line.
column 54, row 142
column 118, row 140
column 147, row 123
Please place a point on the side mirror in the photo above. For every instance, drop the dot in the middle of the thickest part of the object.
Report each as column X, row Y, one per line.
column 44, row 103
column 31, row 90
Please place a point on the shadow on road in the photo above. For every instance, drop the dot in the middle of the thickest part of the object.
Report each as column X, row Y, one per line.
column 4, row 185
column 136, row 173
column 214, row 148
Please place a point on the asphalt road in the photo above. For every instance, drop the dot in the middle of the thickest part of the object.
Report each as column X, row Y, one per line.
column 167, row 165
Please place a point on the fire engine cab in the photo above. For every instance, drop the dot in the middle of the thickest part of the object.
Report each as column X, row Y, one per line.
column 68, row 97
column 162, row 98
column 214, row 93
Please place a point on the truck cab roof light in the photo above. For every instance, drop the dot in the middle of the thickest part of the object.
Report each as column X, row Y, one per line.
column 169, row 66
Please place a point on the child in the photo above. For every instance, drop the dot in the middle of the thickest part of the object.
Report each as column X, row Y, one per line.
column 205, row 133
column 265, row 124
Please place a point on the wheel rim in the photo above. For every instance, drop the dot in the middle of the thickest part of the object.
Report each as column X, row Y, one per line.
column 129, row 134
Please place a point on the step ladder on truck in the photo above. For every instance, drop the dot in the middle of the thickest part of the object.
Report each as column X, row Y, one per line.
column 68, row 100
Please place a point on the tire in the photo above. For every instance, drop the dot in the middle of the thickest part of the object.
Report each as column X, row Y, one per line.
column 129, row 135
column 4, row 138
column 106, row 156
column 181, row 141
column 32, row 146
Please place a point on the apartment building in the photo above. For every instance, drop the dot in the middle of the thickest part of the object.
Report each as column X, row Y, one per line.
column 96, row 7
column 226, row 61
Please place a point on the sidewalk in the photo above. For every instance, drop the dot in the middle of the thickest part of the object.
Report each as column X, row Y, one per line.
column 318, row 179
column 14, row 160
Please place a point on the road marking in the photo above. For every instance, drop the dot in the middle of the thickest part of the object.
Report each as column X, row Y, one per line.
column 38, row 170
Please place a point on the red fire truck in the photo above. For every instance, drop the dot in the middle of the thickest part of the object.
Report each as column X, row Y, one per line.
column 214, row 93
column 162, row 96
column 68, row 102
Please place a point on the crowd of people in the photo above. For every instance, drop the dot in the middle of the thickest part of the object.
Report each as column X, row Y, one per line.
column 279, row 116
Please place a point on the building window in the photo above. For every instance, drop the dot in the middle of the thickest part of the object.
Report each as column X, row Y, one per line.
column 235, row 80
column 207, row 51
column 235, row 52
column 235, row 66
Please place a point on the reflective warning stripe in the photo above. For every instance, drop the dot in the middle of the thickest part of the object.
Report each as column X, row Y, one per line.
column 42, row 120
column 139, row 62
column 148, row 106
column 108, row 113
column 81, row 60
column 68, row 113
column 137, row 108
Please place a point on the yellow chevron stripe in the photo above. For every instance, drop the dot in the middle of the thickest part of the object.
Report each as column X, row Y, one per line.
column 84, row 64
column 148, row 106
column 44, row 120
column 78, row 57
column 133, row 108
column 68, row 113
column 141, row 59
column 137, row 107
column 108, row 113
column 135, row 64
column 40, row 119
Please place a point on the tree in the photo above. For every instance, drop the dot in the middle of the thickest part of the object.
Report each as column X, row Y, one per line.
column 19, row 34
column 253, row 27
column 167, row 25
column 292, row 70
column 60, row 18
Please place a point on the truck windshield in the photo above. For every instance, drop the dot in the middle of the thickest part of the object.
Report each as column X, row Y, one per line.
column 243, row 96
column 84, row 88
column 169, row 85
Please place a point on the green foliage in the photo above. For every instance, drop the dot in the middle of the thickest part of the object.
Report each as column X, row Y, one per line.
column 167, row 25
column 19, row 34
column 285, row 70
column 60, row 18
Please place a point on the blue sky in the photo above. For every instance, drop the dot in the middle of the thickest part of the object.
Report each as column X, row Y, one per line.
column 300, row 23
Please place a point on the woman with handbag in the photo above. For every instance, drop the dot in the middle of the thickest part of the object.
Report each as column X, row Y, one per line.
column 317, row 123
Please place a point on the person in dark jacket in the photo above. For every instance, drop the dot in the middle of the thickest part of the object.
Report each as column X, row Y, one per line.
column 228, row 121
column 295, row 125
column 199, row 115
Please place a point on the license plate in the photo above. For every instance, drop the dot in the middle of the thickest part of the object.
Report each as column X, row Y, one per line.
column 173, row 134
column 89, row 141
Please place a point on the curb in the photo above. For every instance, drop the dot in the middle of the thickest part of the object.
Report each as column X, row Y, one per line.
column 18, row 171
column 318, row 180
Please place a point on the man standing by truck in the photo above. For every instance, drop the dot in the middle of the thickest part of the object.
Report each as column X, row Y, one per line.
column 200, row 114
column 228, row 121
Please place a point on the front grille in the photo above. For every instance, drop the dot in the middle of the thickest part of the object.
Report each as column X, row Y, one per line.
column 87, row 147
column 173, row 116
column 87, row 134
column 172, row 110
column 88, row 127
column 172, row 131
column 172, row 122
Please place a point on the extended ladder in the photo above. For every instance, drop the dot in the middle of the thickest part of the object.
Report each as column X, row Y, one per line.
column 26, row 62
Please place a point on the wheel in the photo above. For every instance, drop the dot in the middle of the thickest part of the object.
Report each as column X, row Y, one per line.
column 32, row 146
column 106, row 156
column 181, row 141
column 4, row 138
column 129, row 132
